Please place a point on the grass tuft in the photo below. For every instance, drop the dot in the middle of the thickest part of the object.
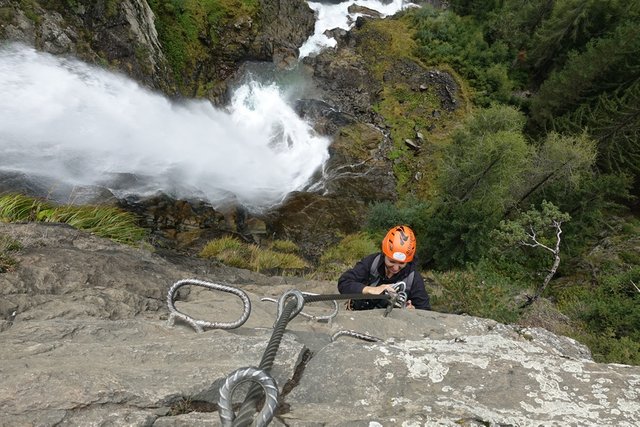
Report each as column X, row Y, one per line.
column 231, row 251
column 7, row 245
column 103, row 221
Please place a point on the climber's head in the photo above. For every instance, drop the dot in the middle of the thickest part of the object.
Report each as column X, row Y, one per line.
column 399, row 244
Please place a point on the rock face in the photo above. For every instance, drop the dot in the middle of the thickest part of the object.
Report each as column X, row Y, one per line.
column 287, row 24
column 85, row 341
column 122, row 33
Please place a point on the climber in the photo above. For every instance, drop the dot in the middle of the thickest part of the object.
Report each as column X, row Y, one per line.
column 376, row 273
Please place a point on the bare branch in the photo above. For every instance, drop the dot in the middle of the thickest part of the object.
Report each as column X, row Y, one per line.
column 532, row 235
column 554, row 267
column 634, row 285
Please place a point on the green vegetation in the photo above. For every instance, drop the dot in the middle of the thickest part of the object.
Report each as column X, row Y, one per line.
column 279, row 259
column 29, row 8
column 478, row 290
column 545, row 128
column 389, row 54
column 191, row 31
column 552, row 135
column 446, row 38
column 285, row 246
column 104, row 221
column 7, row 245
column 344, row 255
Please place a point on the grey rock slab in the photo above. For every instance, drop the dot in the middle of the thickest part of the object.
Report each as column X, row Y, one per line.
column 492, row 378
column 90, row 345
column 66, row 368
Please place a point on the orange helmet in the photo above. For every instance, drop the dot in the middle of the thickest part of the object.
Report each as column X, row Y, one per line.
column 399, row 243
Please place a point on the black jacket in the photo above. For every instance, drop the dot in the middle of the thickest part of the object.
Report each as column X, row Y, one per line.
column 354, row 280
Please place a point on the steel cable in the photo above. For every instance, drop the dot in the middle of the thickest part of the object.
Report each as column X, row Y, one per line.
column 355, row 334
column 260, row 378
column 257, row 376
column 326, row 317
column 200, row 325
column 248, row 406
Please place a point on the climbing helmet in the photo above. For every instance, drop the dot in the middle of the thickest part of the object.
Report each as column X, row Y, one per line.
column 399, row 244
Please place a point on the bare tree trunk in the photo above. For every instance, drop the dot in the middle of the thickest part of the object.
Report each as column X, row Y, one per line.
column 556, row 261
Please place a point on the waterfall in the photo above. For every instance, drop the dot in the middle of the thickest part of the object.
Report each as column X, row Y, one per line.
column 71, row 125
column 332, row 14
column 78, row 125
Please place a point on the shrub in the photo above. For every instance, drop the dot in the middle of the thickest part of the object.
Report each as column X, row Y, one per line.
column 275, row 261
column 285, row 246
column 477, row 291
column 609, row 315
column 228, row 250
column 444, row 37
column 16, row 207
column 104, row 221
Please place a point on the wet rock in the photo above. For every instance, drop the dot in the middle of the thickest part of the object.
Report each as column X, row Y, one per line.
column 51, row 190
column 326, row 118
column 286, row 25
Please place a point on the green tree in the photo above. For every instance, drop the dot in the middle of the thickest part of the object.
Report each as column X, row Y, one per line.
column 598, row 91
column 609, row 66
column 477, row 8
column 557, row 169
column 570, row 27
column 515, row 21
column 536, row 229
column 478, row 173
column 444, row 37
column 613, row 120
column 490, row 171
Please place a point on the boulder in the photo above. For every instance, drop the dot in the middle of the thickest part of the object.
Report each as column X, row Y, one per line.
column 86, row 341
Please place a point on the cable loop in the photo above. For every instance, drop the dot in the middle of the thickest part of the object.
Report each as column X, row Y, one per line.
column 299, row 299
column 255, row 375
column 401, row 300
column 326, row 317
column 400, row 287
column 200, row 325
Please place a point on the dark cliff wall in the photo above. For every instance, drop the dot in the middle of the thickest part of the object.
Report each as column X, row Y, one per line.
column 187, row 51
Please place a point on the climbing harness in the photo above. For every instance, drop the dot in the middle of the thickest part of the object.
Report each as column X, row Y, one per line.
column 290, row 304
column 200, row 325
column 374, row 274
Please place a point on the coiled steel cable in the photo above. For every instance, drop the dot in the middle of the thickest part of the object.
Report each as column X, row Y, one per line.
column 257, row 376
column 287, row 310
column 200, row 325
column 244, row 414
column 299, row 303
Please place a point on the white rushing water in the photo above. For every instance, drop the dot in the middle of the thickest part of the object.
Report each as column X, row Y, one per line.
column 76, row 124
column 330, row 15
column 70, row 124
